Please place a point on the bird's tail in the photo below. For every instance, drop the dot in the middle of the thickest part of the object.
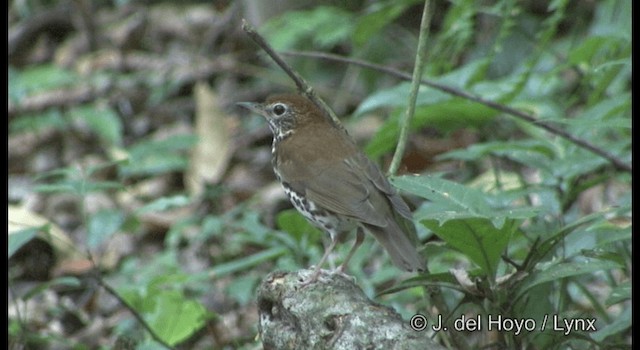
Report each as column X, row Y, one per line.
column 396, row 242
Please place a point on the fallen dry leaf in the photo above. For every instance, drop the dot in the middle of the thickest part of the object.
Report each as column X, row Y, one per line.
column 210, row 156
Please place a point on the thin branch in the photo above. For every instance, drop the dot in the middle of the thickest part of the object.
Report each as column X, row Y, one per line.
column 413, row 94
column 302, row 85
column 131, row 309
column 618, row 163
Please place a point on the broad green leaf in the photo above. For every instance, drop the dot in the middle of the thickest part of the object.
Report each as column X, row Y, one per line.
column 19, row 238
column 51, row 118
column 37, row 79
column 102, row 120
column 174, row 317
column 397, row 96
column 103, row 225
column 153, row 157
column 446, row 116
column 381, row 14
column 557, row 271
column 595, row 239
column 551, row 240
column 450, row 200
column 294, row 223
column 25, row 222
column 251, row 222
column 451, row 115
column 538, row 150
column 385, row 138
column 477, row 238
column 323, row 26
column 242, row 288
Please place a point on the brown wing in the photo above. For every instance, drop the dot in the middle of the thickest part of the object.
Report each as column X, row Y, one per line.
column 364, row 194
column 342, row 190
column 348, row 183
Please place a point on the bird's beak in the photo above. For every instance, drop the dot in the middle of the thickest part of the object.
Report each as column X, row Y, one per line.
column 252, row 106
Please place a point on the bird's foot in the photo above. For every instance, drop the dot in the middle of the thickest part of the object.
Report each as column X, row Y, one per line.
column 320, row 275
column 316, row 275
column 340, row 271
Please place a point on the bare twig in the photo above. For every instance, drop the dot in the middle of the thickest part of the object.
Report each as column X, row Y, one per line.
column 614, row 160
column 131, row 309
column 302, row 85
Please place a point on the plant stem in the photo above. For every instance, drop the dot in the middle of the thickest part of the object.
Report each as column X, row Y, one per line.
column 415, row 86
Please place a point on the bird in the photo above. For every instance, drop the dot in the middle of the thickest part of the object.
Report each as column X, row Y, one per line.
column 333, row 184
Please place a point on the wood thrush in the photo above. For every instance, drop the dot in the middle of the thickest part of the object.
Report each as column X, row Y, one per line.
column 332, row 183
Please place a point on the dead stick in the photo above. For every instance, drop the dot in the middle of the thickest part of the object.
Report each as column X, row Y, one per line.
column 302, row 85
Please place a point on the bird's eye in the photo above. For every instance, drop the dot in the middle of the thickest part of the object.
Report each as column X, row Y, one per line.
column 279, row 109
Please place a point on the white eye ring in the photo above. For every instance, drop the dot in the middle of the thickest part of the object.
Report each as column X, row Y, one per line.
column 279, row 109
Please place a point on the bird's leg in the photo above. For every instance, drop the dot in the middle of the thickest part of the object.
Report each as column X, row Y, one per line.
column 316, row 271
column 356, row 245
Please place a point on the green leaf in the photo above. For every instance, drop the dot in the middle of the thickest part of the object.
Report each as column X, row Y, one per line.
column 321, row 27
column 102, row 120
column 603, row 117
column 397, row 97
column 465, row 218
column 435, row 115
column 478, row 238
column 385, row 138
column 51, row 118
column 65, row 281
column 558, row 271
column 586, row 50
column 444, row 279
column 294, row 223
column 379, row 16
column 37, row 79
column 165, row 203
column 78, row 186
column 596, row 240
column 242, row 288
column 74, row 180
column 251, row 221
column 612, row 18
column 621, row 323
column 539, row 151
column 246, row 262
column 17, row 239
column 620, row 293
column 445, row 195
column 173, row 316
column 451, row 115
column 103, row 225
column 153, row 157
column 450, row 200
